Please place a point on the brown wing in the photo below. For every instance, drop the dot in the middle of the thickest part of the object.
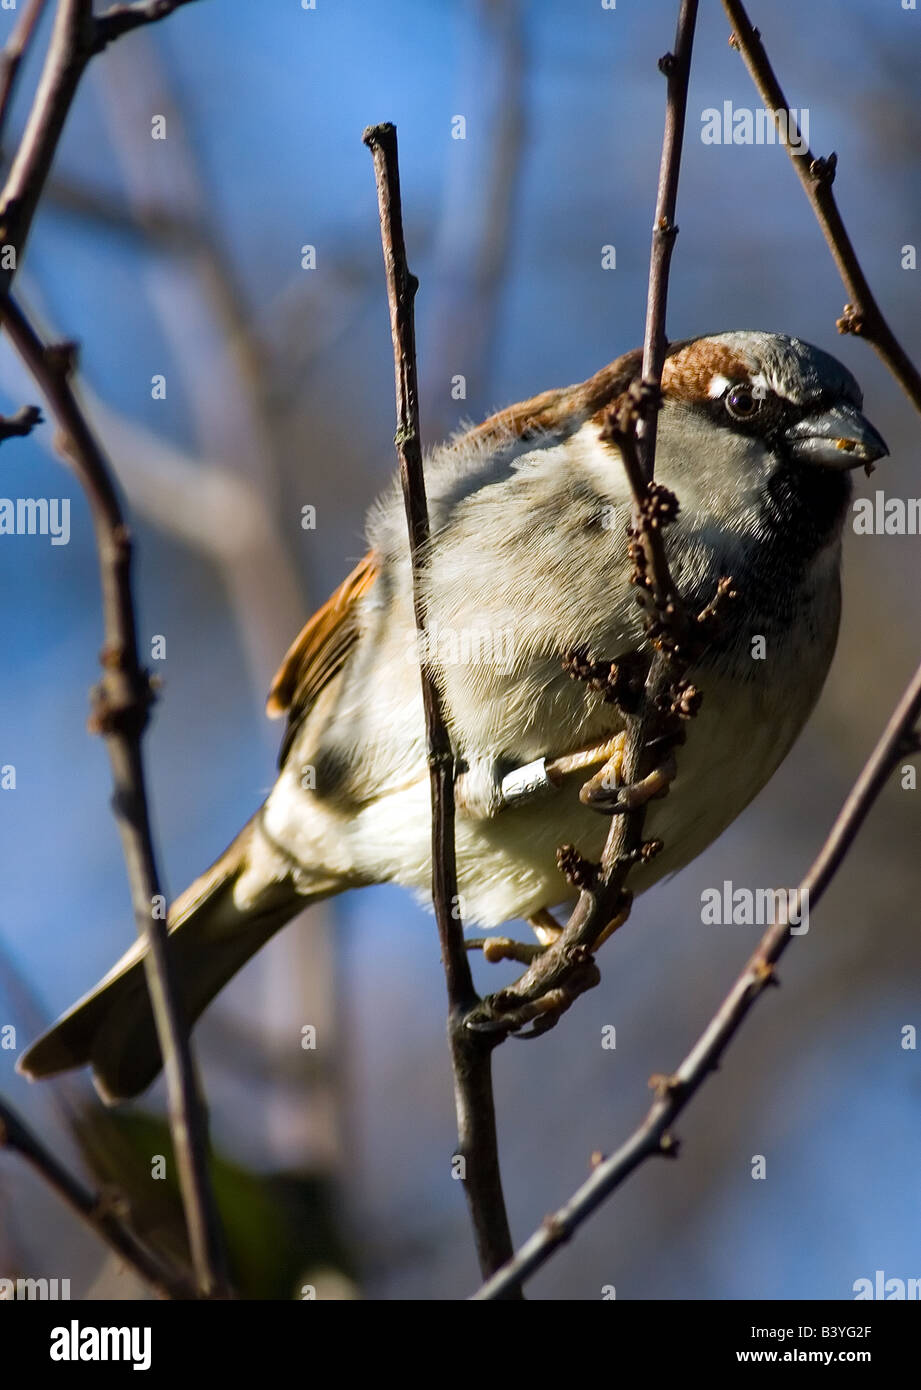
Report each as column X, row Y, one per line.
column 319, row 651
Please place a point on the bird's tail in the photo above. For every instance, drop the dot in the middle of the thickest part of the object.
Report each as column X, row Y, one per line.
column 212, row 936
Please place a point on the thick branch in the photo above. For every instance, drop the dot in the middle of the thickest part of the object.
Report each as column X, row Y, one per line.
column 674, row 1092
column 862, row 315
column 99, row 1213
column 470, row 1053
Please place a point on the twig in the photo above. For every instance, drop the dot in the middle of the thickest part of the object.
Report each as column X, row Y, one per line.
column 123, row 695
column 68, row 54
column 75, row 37
column 22, row 423
column 120, row 710
column 99, row 1213
column 470, row 1053
column 862, row 315
column 121, row 19
column 676, row 67
column 675, row 1091
column 401, row 292
column 13, row 53
column 567, row 968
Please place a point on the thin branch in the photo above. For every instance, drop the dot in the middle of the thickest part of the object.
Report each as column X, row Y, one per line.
column 120, row 710
column 99, row 1213
column 862, row 315
column 566, row 969
column 75, row 37
column 676, row 67
column 13, row 54
column 401, row 292
column 123, row 696
column 121, row 19
column 470, row 1053
column 675, row 1091
column 69, row 51
column 22, row 423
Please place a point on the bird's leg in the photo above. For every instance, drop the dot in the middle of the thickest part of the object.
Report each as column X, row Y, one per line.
column 609, row 752
column 545, row 775
column 545, row 927
column 495, row 948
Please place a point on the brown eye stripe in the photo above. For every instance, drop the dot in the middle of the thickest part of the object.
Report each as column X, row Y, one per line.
column 687, row 375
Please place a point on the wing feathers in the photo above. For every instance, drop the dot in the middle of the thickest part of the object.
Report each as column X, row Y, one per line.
column 320, row 649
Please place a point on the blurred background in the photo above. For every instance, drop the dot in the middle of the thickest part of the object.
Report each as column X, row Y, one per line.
column 182, row 258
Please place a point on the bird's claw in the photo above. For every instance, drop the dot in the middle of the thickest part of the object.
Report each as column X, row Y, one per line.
column 605, row 793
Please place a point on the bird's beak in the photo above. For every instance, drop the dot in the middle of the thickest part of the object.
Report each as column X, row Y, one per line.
column 837, row 438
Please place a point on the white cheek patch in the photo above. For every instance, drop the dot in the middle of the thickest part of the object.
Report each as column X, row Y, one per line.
column 718, row 384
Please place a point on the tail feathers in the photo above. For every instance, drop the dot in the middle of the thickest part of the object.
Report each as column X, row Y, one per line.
column 211, row 938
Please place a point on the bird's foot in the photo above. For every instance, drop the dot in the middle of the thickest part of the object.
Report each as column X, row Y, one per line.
column 606, row 793
column 540, row 1005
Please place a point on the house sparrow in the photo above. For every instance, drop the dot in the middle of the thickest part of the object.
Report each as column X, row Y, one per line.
column 757, row 435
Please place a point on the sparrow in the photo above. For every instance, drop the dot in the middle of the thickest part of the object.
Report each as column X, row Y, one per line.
column 757, row 436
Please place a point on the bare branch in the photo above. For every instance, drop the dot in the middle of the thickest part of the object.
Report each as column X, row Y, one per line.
column 674, row 1092
column 122, row 699
column 69, row 51
column 100, row 1214
column 401, row 291
column 13, row 53
column 676, row 67
column 470, row 1053
column 862, row 315
column 75, row 38
column 567, row 968
column 121, row 19
column 23, row 422
column 120, row 710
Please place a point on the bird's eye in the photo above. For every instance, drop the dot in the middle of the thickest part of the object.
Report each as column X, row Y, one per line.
column 742, row 403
